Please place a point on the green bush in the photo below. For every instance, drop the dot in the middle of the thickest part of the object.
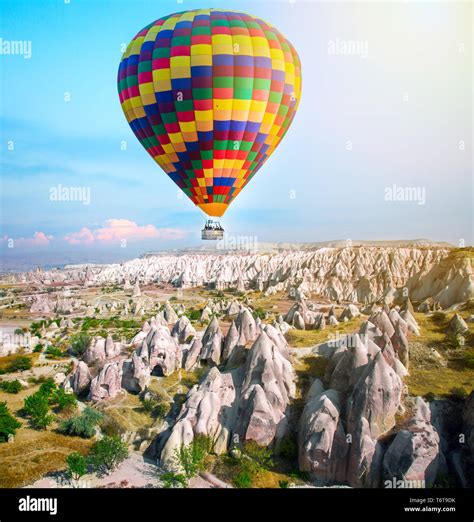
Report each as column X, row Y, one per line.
column 37, row 407
column 155, row 406
column 257, row 458
column 190, row 458
column 82, row 425
column 173, row 480
column 38, row 348
column 284, row 484
column 458, row 393
column 63, row 400
column 77, row 465
column 430, row 396
column 20, row 364
column 8, row 423
column 469, row 358
column 11, row 386
column 53, row 352
column 79, row 344
column 193, row 315
column 107, row 453
column 243, row 479
column 252, row 460
column 48, row 387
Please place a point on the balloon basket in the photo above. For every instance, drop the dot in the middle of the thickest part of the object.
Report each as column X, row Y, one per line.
column 212, row 231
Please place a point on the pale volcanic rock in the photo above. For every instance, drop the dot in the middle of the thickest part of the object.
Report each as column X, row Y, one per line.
column 246, row 326
column 212, row 343
column 230, row 342
column 40, row 304
column 298, row 321
column 209, row 410
column 376, row 396
column 321, row 436
column 448, row 282
column 457, row 325
column 183, row 329
column 268, row 386
column 382, row 321
column 95, row 351
column 137, row 371
column 414, row 454
column 136, row 290
column 81, row 378
column 191, row 358
column 339, row 273
column 107, row 384
column 350, row 312
column 169, row 314
column 233, row 309
column 164, row 352
column 112, row 349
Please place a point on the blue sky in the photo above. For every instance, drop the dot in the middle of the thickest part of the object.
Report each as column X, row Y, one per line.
column 394, row 113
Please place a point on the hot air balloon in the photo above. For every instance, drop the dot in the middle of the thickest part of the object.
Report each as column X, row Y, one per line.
column 210, row 95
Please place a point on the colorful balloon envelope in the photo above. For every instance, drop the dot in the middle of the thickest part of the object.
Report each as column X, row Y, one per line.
column 210, row 95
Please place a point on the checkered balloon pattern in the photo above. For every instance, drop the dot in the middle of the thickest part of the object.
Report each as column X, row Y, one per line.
column 210, row 94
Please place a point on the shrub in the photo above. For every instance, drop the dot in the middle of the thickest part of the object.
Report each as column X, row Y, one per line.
column 107, row 453
column 63, row 400
column 48, row 387
column 173, row 480
column 11, row 386
column 259, row 312
column 430, row 396
column 82, row 425
column 191, row 457
column 37, row 407
column 284, row 484
column 458, row 393
column 260, row 457
column 243, row 479
column 155, row 406
column 8, row 423
column 193, row 315
column 20, row 364
column 469, row 358
column 455, row 341
column 38, row 348
column 80, row 343
column 53, row 352
column 77, row 465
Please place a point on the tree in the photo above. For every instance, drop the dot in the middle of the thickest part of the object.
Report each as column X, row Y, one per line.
column 63, row 400
column 48, row 387
column 107, row 453
column 77, row 465
column 11, row 386
column 80, row 343
column 8, row 423
column 20, row 364
column 37, row 407
column 82, row 425
column 191, row 458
